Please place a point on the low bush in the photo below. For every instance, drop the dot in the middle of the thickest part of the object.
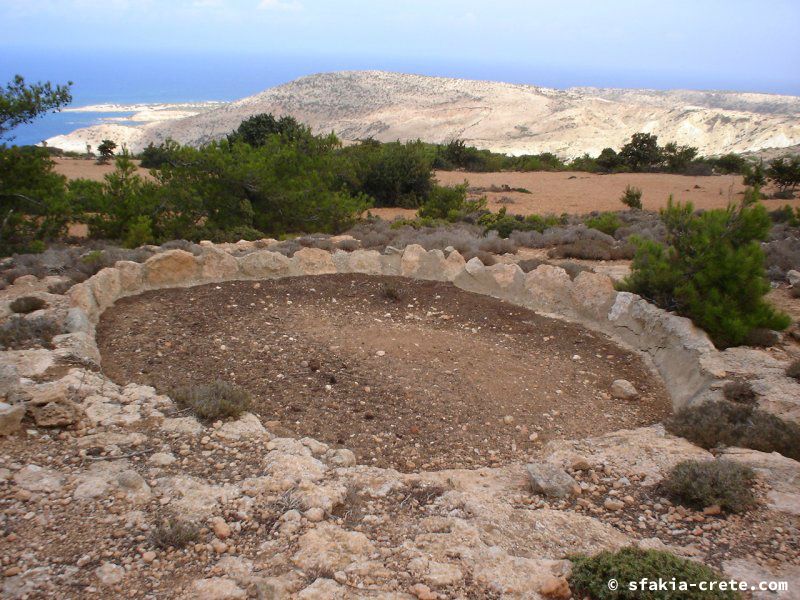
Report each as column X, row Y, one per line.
column 782, row 256
column 220, row 400
column 723, row 423
column 761, row 337
column 26, row 304
column 793, row 370
column 632, row 197
column 607, row 222
column 590, row 576
column 174, row 533
column 583, row 250
column 739, row 391
column 391, row 292
column 699, row 484
column 20, row 333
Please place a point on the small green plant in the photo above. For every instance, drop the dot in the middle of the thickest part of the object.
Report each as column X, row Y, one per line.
column 591, row 575
column 27, row 304
column 793, row 370
column 607, row 222
column 739, row 391
column 723, row 423
column 174, row 533
column 391, row 292
column 699, row 484
column 220, row 400
column 632, row 197
column 140, row 232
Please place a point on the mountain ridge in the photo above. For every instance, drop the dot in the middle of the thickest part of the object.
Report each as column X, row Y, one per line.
column 499, row 116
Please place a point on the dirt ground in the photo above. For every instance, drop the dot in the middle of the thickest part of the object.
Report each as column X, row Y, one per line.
column 442, row 378
column 581, row 193
column 79, row 168
column 556, row 193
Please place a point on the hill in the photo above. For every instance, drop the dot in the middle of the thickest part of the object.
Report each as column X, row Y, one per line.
column 504, row 117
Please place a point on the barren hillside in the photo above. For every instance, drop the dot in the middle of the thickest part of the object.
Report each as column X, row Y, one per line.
column 503, row 117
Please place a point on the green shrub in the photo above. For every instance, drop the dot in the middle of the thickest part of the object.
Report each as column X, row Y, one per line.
column 449, row 203
column 33, row 204
column 632, row 197
column 710, row 270
column 26, row 304
column 174, row 533
column 140, row 232
column 607, row 223
column 590, row 576
column 723, row 423
column 220, row 400
column 698, row 484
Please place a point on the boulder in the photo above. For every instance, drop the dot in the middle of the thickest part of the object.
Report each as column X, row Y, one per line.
column 131, row 276
column 312, row 261
column 549, row 290
column 421, row 264
column 264, row 264
column 793, row 277
column 365, row 261
column 593, row 294
column 11, row 417
column 171, row 268
column 216, row 265
column 548, row 480
column 9, row 379
column 624, row 390
column 106, row 287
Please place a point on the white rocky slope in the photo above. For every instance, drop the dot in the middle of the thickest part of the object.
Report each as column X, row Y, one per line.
column 503, row 117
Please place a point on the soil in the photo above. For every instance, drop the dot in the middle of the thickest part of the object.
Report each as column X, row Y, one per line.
column 437, row 378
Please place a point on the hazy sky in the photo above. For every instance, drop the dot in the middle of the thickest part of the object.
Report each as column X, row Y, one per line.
column 712, row 44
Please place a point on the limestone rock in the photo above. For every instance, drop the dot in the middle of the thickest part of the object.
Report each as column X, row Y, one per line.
column 264, row 264
column 170, row 268
column 217, row 265
column 110, row 574
column 551, row 481
column 313, row 261
column 11, row 417
column 330, row 548
column 215, row 588
column 38, row 479
column 131, row 276
column 62, row 413
column 182, row 425
column 624, row 390
column 793, row 277
column 246, row 426
column 9, row 379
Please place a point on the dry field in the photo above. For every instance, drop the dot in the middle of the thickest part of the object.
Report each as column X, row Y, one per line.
column 580, row 193
column 556, row 193
column 79, row 168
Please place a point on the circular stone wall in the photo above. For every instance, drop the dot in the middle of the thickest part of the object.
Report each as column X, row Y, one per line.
column 407, row 374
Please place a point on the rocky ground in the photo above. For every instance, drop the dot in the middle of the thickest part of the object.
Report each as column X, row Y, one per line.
column 96, row 471
column 404, row 373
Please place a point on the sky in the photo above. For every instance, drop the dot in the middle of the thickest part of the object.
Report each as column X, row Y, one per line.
column 743, row 45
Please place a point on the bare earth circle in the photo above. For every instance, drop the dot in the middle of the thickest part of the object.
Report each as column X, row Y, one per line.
column 437, row 378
